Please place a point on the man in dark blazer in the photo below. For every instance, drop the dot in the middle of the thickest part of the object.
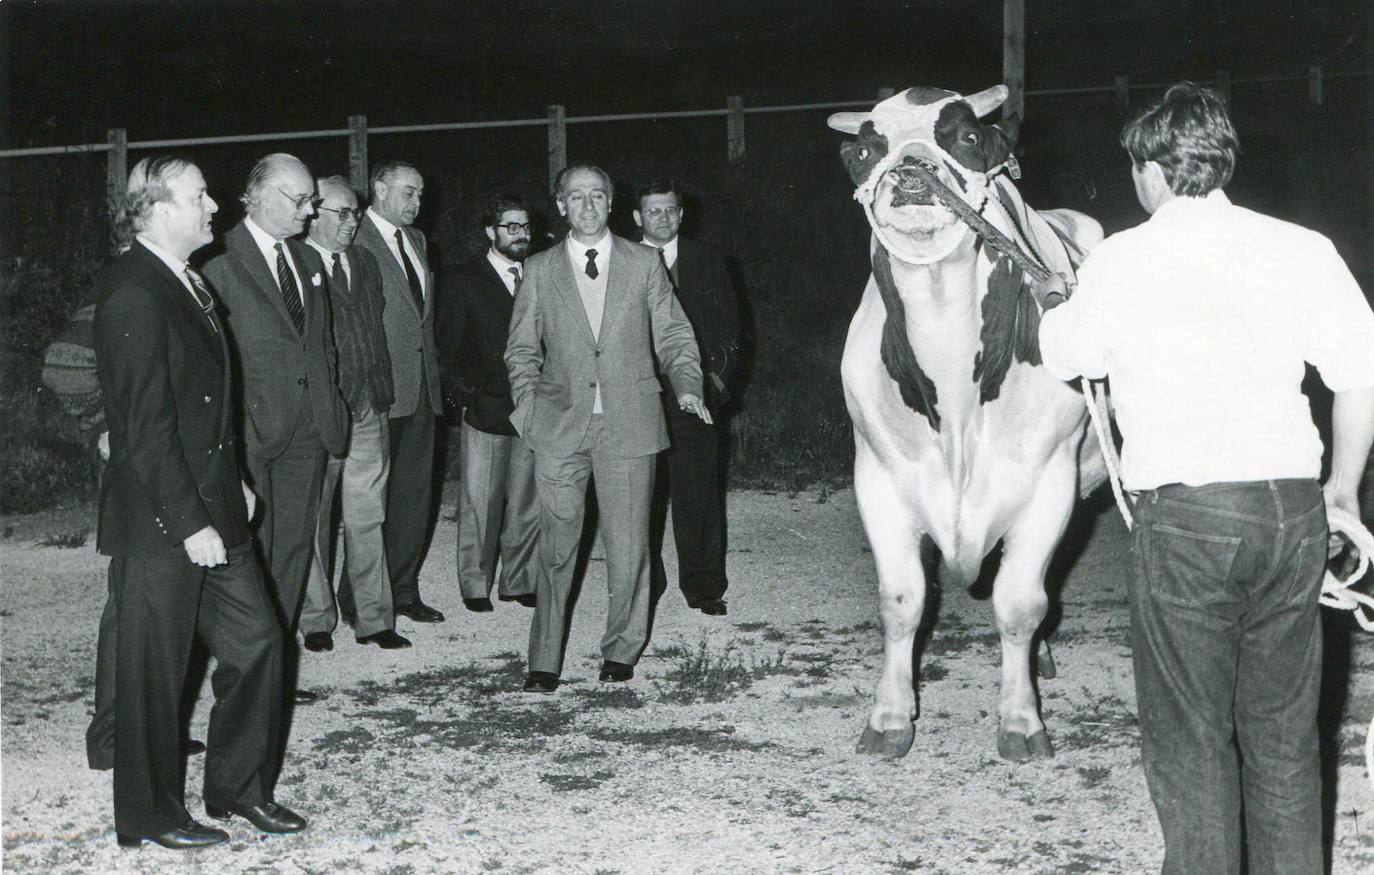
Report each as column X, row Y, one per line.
column 589, row 320
column 174, row 520
column 274, row 297
column 408, row 284
column 692, row 464
column 497, row 502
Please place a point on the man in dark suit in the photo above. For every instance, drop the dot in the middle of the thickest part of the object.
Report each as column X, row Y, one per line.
column 408, row 284
column 707, row 295
column 274, row 297
column 497, row 502
column 356, row 304
column 591, row 316
column 174, row 520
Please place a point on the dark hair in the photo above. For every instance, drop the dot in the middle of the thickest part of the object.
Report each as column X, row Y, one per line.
column 561, row 180
column 1188, row 133
column 658, row 185
column 385, row 169
column 500, row 203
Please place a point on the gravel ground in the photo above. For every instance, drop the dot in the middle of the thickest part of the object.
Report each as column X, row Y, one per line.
column 730, row 752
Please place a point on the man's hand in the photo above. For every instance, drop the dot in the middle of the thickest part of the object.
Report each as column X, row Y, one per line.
column 694, row 405
column 1051, row 292
column 249, row 498
column 205, row 548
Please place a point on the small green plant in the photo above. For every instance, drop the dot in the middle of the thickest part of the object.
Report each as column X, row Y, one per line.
column 65, row 540
column 707, row 675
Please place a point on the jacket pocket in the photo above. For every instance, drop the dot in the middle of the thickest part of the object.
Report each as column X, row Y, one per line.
column 547, row 389
column 650, row 386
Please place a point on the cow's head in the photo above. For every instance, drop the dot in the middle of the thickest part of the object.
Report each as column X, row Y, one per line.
column 941, row 131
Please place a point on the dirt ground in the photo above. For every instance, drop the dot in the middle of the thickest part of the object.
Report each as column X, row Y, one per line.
column 730, row 752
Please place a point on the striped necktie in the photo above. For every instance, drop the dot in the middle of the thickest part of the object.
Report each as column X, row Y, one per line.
column 290, row 292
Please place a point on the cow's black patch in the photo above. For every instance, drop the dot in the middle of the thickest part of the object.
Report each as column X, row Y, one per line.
column 973, row 144
column 918, row 390
column 1011, row 327
column 864, row 152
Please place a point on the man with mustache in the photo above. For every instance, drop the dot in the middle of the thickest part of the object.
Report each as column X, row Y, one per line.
column 497, row 502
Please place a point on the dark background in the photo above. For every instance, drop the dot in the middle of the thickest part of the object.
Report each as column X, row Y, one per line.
column 76, row 68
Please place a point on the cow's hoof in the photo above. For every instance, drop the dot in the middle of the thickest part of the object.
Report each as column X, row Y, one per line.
column 892, row 744
column 1017, row 748
column 1044, row 662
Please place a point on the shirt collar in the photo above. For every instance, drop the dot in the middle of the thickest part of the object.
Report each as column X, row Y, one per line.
column 388, row 230
column 502, row 263
column 579, row 251
column 326, row 255
column 176, row 265
column 669, row 250
column 1183, row 205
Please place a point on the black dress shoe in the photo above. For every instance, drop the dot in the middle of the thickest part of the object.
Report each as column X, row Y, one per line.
column 541, row 682
column 616, row 672
column 525, row 598
column 711, row 607
column 191, row 835
column 305, row 697
column 268, row 817
column 478, row 606
column 386, row 639
column 420, row 613
column 317, row 641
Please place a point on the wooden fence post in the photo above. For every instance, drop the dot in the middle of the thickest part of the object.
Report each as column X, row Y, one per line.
column 116, row 169
column 1121, row 85
column 1223, row 88
column 1014, row 57
column 1314, row 84
column 558, row 142
column 357, row 155
column 734, row 128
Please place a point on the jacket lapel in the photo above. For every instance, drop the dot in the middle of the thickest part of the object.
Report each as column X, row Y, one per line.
column 240, row 244
column 566, row 285
column 617, row 284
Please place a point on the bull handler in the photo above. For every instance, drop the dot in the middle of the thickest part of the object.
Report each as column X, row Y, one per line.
column 1202, row 318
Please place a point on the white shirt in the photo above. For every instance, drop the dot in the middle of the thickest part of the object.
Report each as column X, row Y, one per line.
column 388, row 232
column 176, row 265
column 328, row 258
column 1203, row 317
column 502, row 264
column 669, row 250
column 593, row 291
column 267, row 245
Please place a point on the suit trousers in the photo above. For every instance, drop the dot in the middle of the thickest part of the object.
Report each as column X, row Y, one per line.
column 624, row 490
column 162, row 603
column 409, row 501
column 288, row 489
column 363, row 477
column 498, row 506
column 692, row 466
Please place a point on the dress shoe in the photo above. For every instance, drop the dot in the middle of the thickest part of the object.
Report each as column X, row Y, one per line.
column 317, row 641
column 420, row 613
column 711, row 607
column 305, row 697
column 386, row 639
column 190, row 835
column 268, row 817
column 616, row 672
column 478, row 606
column 541, row 682
column 526, row 599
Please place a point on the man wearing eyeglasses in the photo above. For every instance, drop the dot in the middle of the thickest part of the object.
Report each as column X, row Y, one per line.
column 274, row 296
column 408, row 284
column 692, row 465
column 356, row 304
column 497, row 502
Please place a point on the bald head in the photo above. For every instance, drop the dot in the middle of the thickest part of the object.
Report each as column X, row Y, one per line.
column 280, row 195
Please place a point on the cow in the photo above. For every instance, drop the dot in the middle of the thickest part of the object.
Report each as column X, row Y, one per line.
column 961, row 437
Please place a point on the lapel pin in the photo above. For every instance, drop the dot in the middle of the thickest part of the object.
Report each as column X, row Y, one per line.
column 315, row 281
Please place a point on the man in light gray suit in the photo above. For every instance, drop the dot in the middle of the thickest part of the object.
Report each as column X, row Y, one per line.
column 408, row 286
column 591, row 315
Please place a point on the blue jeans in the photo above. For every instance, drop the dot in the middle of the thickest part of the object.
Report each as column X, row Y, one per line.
column 1226, row 645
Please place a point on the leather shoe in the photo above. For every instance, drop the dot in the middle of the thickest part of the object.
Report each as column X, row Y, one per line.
column 712, row 607
column 305, row 697
column 420, row 613
column 386, row 639
column 525, row 598
column 268, row 817
column 190, row 835
column 478, row 606
column 616, row 672
column 317, row 641
column 541, row 682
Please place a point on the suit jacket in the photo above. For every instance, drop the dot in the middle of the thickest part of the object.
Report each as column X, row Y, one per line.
column 165, row 377
column 409, row 332
column 556, row 364
column 282, row 373
column 707, row 295
column 360, row 335
column 473, row 324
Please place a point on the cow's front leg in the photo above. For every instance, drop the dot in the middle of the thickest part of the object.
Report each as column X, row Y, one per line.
column 1019, row 602
column 894, row 539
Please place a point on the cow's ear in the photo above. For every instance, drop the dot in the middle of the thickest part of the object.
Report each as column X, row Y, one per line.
column 999, row 141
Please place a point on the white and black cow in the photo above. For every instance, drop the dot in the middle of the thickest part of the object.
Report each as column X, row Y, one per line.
column 960, row 435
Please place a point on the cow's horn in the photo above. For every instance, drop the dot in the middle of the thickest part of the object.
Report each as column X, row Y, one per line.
column 986, row 101
column 847, row 122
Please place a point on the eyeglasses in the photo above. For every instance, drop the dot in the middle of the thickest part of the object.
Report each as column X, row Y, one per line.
column 354, row 213
column 300, row 201
column 513, row 228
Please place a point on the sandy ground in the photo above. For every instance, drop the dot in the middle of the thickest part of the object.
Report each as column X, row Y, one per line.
column 731, row 751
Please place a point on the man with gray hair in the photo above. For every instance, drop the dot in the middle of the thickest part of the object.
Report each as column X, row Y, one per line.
column 293, row 418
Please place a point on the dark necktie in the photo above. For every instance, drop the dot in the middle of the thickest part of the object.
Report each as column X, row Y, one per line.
column 515, row 272
column 411, row 276
column 340, row 275
column 290, row 293
column 201, row 293
column 591, row 264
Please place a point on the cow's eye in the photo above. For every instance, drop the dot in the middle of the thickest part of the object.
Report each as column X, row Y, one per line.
column 972, row 137
column 863, row 153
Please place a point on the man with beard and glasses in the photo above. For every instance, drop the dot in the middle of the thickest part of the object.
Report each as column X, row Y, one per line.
column 356, row 302
column 497, row 502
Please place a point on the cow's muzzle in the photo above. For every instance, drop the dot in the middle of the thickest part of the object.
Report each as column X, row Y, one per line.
column 909, row 186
